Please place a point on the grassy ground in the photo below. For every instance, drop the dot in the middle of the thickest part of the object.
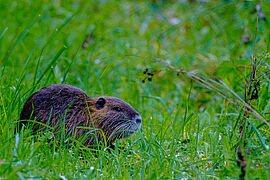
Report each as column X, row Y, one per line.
column 103, row 47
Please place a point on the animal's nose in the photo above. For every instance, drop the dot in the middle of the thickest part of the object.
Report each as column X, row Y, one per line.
column 138, row 119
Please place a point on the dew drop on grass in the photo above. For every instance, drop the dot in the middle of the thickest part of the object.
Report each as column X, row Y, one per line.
column 62, row 177
column 174, row 21
column 97, row 61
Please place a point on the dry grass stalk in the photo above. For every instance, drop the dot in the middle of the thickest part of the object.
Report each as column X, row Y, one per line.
column 219, row 87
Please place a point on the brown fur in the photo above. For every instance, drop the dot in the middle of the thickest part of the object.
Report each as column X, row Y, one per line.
column 58, row 103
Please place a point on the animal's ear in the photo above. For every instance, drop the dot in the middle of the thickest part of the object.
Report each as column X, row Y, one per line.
column 100, row 103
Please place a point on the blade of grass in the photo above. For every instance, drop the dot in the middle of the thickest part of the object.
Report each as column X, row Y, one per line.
column 52, row 63
column 17, row 88
column 22, row 73
column 17, row 42
column 72, row 60
column 5, row 30
column 35, row 75
column 264, row 145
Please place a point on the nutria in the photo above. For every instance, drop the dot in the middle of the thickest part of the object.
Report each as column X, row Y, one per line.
column 91, row 120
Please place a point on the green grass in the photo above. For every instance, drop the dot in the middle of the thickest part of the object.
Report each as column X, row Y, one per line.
column 188, row 131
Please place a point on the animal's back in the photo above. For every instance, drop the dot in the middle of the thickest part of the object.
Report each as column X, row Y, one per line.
column 55, row 102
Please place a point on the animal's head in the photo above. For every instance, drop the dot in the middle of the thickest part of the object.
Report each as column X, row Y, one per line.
column 116, row 118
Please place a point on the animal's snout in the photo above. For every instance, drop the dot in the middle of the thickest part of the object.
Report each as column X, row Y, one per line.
column 138, row 119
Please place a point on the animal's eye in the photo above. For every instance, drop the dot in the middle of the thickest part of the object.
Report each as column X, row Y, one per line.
column 118, row 109
column 100, row 103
